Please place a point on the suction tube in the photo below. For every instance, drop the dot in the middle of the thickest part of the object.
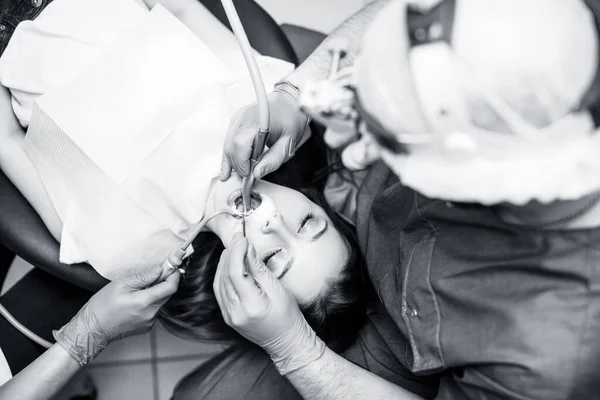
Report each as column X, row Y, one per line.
column 21, row 328
column 264, row 116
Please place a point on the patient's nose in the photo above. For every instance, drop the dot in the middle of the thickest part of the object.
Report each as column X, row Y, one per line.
column 272, row 223
column 265, row 215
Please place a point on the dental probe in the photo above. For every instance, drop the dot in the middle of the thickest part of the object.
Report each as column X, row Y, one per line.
column 258, row 148
column 175, row 259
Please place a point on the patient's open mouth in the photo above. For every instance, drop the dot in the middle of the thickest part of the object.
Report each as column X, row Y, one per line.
column 237, row 203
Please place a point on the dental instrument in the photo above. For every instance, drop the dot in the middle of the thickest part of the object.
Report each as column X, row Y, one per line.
column 337, row 49
column 258, row 144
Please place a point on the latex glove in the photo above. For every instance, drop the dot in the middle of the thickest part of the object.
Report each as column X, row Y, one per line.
column 288, row 131
column 123, row 308
column 259, row 308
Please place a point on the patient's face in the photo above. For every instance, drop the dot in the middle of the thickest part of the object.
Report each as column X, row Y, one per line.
column 294, row 237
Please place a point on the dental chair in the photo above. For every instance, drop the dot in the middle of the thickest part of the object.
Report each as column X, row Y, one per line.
column 23, row 232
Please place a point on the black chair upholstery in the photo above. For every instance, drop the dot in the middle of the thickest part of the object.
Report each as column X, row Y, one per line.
column 24, row 233
column 303, row 40
column 263, row 33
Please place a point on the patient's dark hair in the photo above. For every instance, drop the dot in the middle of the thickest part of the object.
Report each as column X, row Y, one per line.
column 336, row 314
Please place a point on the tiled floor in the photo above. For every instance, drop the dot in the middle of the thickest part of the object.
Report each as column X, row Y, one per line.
column 143, row 367
column 147, row 366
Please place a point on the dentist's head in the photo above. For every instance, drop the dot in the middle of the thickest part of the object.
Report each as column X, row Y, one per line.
column 481, row 101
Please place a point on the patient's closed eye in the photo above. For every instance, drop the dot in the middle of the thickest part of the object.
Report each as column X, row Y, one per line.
column 308, row 219
column 313, row 226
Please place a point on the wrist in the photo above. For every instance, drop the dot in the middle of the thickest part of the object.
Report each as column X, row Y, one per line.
column 83, row 337
column 63, row 357
column 289, row 88
column 313, row 69
column 290, row 93
column 296, row 348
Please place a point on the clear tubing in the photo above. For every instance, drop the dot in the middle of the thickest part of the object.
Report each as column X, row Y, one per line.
column 257, row 81
column 203, row 223
column 21, row 328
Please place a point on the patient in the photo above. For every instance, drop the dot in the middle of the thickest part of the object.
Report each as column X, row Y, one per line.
column 306, row 245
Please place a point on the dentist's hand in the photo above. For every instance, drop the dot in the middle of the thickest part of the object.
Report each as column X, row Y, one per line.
column 259, row 308
column 123, row 308
column 289, row 131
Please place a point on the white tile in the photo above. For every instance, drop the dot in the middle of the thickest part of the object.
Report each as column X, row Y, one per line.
column 323, row 16
column 133, row 348
column 123, row 382
column 17, row 270
column 171, row 372
column 169, row 345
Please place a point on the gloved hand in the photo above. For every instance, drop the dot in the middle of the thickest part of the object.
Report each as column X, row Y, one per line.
column 332, row 104
column 288, row 131
column 259, row 308
column 123, row 308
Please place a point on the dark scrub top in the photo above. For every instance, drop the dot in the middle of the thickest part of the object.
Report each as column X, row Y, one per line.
column 504, row 312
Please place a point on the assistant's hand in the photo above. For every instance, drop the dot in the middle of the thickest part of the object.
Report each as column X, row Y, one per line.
column 288, row 131
column 124, row 307
column 259, row 308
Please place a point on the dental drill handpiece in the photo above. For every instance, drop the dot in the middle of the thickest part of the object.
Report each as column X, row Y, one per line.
column 258, row 148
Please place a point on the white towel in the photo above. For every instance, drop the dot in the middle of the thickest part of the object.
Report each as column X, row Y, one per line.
column 127, row 148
